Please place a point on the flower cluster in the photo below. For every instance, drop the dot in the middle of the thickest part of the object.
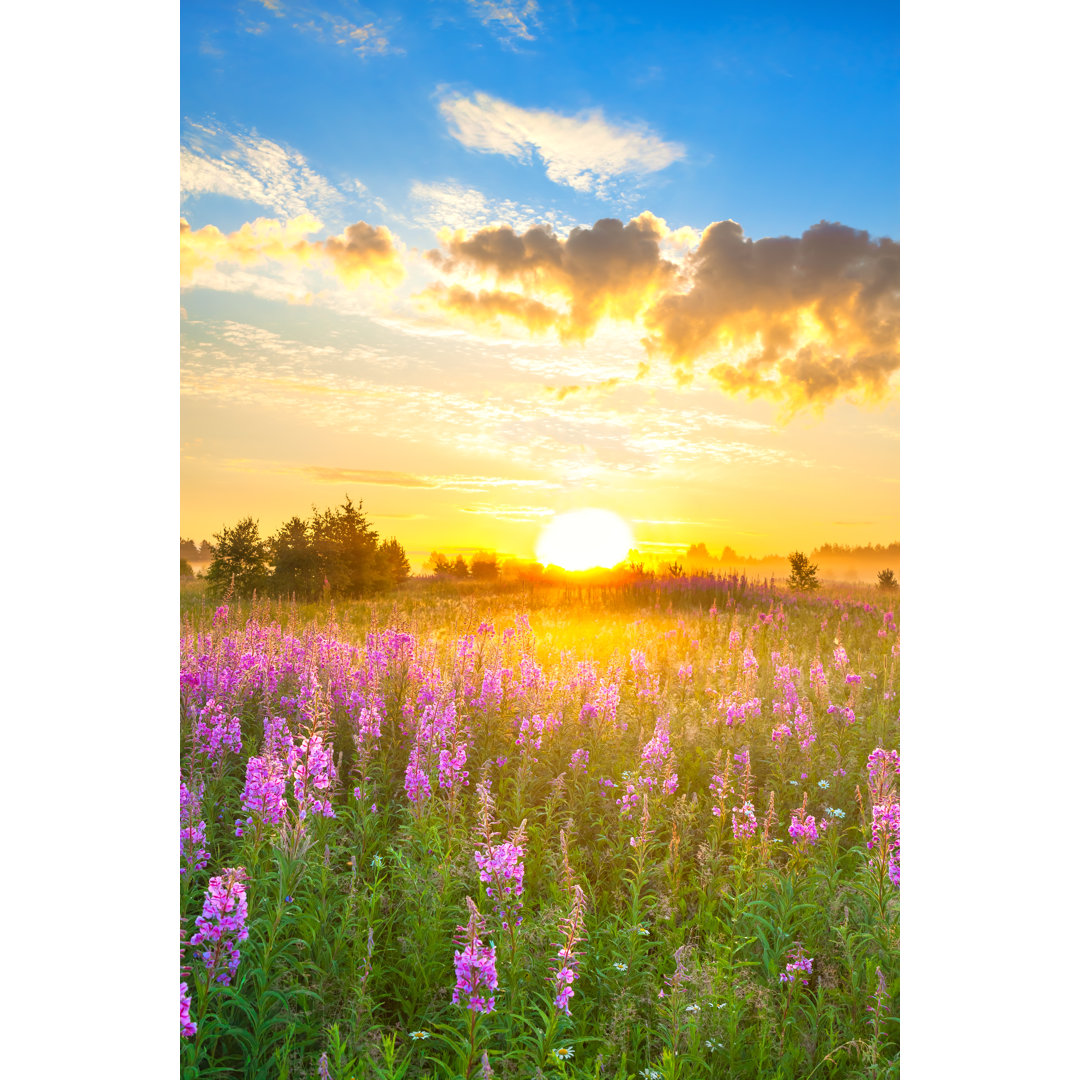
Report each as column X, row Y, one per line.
column 474, row 965
column 884, row 769
column 797, row 964
column 192, row 831
column 501, row 868
column 188, row 1027
column 221, row 925
column 803, row 828
column 744, row 821
column 564, row 971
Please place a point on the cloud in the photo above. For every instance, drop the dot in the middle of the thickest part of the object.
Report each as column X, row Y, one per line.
column 802, row 321
column 365, row 40
column 503, row 512
column 542, row 443
column 244, row 165
column 509, row 19
column 561, row 393
column 583, row 151
column 454, row 206
column 610, row 270
column 380, row 477
column 361, row 253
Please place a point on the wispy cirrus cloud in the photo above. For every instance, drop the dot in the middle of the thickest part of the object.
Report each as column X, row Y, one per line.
column 509, row 20
column 523, row 515
column 543, row 443
column 362, row 39
column 584, row 151
column 246, row 165
column 450, row 205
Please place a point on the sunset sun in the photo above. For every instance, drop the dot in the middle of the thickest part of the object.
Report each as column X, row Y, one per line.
column 584, row 539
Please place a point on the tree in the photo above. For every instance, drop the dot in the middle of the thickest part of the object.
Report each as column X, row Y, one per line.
column 188, row 550
column 185, row 569
column 438, row 564
column 803, row 577
column 484, row 566
column 460, row 568
column 886, row 579
column 347, row 546
column 297, row 569
column 239, row 565
column 392, row 562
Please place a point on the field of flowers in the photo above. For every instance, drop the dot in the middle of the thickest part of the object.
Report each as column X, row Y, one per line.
column 648, row 832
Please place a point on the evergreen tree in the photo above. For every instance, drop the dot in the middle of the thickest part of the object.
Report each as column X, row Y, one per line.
column 239, row 566
column 886, row 579
column 803, row 577
column 297, row 569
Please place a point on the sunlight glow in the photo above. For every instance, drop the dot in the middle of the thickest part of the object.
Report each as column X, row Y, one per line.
column 583, row 539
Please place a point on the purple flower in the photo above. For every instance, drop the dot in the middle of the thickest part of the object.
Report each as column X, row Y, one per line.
column 803, row 828
column 193, row 853
column 188, row 1027
column 798, row 963
column 474, row 965
column 502, row 869
column 743, row 821
column 564, row 970
column 221, row 924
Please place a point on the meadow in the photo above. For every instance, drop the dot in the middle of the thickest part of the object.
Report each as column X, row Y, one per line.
column 637, row 831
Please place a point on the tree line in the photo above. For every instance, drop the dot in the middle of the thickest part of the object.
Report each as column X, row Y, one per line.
column 336, row 552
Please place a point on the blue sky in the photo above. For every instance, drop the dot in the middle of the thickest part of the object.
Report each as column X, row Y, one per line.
column 786, row 114
column 356, row 183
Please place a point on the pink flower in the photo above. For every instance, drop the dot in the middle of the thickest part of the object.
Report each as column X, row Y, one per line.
column 474, row 965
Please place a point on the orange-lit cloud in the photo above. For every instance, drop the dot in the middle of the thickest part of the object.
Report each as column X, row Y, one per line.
column 610, row 270
column 800, row 320
column 362, row 253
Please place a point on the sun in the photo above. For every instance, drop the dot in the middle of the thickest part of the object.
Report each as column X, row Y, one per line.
column 584, row 539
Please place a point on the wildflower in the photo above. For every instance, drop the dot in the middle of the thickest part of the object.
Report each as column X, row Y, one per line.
column 823, row 784
column 797, row 962
column 486, row 1071
column 579, row 759
column 501, row 866
column 711, row 1044
column 651, row 1074
column 693, row 1009
column 221, row 924
column 192, row 831
column 419, row 1036
column 743, row 821
column 377, row 862
column 680, row 975
column 562, row 1053
column 619, row 967
column 288, row 899
column 474, row 965
column 803, row 829
column 573, row 932
column 641, row 931
column 188, row 1026
column 324, row 1067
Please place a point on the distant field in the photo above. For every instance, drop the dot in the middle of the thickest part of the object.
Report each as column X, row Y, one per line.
column 645, row 830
